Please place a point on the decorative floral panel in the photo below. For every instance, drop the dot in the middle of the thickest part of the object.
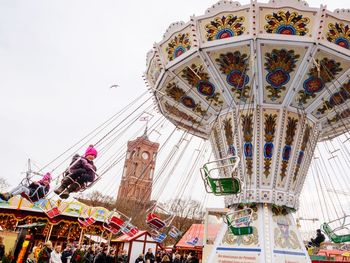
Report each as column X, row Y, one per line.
column 280, row 66
column 200, row 83
column 319, row 78
column 286, row 21
column 178, row 44
column 234, row 66
column 336, row 31
column 224, row 25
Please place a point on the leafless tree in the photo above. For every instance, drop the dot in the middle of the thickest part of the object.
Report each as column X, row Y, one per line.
column 96, row 198
column 3, row 184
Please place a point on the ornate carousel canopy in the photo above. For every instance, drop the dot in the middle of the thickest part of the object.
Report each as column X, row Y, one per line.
column 265, row 80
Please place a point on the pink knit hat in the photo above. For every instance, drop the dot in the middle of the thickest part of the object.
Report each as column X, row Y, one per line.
column 46, row 177
column 91, row 151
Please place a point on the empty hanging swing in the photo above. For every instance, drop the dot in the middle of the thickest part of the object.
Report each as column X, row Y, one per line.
column 336, row 229
column 115, row 222
column 158, row 217
column 157, row 236
column 218, row 184
column 174, row 232
column 239, row 221
column 86, row 218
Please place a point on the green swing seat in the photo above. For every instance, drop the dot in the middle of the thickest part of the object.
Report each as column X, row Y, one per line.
column 222, row 185
column 239, row 231
column 334, row 237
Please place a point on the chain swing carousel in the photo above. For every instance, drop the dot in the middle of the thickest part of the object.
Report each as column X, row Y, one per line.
column 264, row 82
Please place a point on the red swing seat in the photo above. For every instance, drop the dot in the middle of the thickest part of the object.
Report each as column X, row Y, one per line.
column 87, row 221
column 53, row 212
column 116, row 222
column 155, row 222
column 129, row 229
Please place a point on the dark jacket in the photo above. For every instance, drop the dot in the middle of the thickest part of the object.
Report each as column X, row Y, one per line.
column 101, row 258
column 318, row 240
column 44, row 255
column 150, row 256
column 2, row 250
column 140, row 260
column 38, row 191
column 65, row 255
column 89, row 257
column 82, row 165
column 123, row 258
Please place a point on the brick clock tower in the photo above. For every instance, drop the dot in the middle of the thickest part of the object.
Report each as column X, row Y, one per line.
column 137, row 179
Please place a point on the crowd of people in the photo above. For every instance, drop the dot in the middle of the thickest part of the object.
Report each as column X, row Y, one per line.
column 46, row 253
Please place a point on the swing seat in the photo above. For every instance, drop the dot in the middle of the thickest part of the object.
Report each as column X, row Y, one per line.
column 241, row 231
column 129, row 229
column 155, row 222
column 221, row 185
column 174, row 232
column 224, row 186
column 86, row 221
column 243, row 217
column 110, row 228
column 192, row 241
column 53, row 212
column 116, row 222
column 334, row 237
column 132, row 232
column 28, row 198
column 160, row 238
column 34, row 197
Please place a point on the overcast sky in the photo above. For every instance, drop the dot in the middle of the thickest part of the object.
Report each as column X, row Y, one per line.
column 58, row 60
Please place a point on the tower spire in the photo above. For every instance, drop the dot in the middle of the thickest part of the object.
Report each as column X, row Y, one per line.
column 145, row 135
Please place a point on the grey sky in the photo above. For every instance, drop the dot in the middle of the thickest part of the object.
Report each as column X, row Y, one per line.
column 58, row 60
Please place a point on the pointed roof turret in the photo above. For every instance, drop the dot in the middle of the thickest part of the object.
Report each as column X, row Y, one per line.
column 145, row 133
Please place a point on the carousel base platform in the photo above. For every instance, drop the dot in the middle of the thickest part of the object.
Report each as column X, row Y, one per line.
column 275, row 239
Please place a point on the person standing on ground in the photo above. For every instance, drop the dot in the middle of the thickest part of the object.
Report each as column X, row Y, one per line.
column 89, row 255
column 2, row 248
column 150, row 256
column 45, row 253
column 140, row 259
column 67, row 254
column 102, row 256
column 56, row 255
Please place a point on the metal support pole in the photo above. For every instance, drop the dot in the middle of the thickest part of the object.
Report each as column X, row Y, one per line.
column 49, row 234
column 81, row 236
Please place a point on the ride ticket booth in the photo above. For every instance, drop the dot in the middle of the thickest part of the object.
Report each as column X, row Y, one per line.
column 135, row 245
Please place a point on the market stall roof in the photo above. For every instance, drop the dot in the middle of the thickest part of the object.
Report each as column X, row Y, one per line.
column 126, row 238
column 188, row 240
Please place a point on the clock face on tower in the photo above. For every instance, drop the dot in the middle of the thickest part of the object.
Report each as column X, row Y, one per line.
column 145, row 155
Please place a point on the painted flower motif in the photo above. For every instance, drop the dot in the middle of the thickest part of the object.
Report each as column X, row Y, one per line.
column 196, row 76
column 234, row 66
column 287, row 23
column 316, row 81
column 225, row 27
column 336, row 99
column 178, row 45
column 179, row 95
column 279, row 64
column 339, row 34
